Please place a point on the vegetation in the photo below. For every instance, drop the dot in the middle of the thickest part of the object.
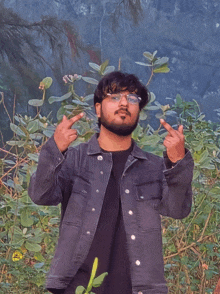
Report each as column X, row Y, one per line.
column 28, row 232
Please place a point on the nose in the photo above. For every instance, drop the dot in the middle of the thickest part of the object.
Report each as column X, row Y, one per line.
column 123, row 100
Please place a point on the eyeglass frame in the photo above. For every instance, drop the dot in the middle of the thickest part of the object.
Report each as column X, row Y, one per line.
column 126, row 95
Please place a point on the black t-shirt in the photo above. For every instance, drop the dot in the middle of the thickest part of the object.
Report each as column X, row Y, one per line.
column 109, row 243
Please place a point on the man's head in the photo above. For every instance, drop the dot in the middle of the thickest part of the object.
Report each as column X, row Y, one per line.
column 120, row 113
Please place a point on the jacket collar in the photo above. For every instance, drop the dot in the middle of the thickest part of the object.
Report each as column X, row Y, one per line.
column 94, row 148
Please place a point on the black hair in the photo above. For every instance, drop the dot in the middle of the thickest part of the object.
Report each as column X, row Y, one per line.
column 115, row 82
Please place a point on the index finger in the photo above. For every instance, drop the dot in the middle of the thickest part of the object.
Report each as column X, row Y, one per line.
column 168, row 127
column 74, row 119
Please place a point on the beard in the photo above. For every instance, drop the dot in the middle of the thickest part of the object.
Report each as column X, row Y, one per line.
column 118, row 129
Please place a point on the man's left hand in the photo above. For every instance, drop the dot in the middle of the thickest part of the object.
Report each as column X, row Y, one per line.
column 174, row 142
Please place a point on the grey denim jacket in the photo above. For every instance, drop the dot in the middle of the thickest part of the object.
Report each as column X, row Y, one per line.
column 149, row 188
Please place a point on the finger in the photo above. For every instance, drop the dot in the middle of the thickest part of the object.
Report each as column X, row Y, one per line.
column 71, row 132
column 74, row 119
column 180, row 129
column 171, row 131
column 166, row 144
column 64, row 118
column 73, row 137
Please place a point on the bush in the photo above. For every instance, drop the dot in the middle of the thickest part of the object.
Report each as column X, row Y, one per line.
column 29, row 233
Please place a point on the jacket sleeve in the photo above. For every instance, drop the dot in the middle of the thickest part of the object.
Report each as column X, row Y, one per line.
column 48, row 183
column 176, row 199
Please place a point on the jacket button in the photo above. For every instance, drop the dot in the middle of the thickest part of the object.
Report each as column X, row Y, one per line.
column 133, row 237
column 127, row 191
column 142, row 197
column 137, row 262
column 93, row 209
column 88, row 232
column 97, row 191
column 130, row 212
column 100, row 157
column 140, row 292
column 101, row 172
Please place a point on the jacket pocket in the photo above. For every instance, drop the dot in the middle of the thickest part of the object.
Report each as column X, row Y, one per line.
column 148, row 197
column 149, row 186
column 81, row 186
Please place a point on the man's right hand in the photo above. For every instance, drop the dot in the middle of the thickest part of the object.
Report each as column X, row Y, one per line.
column 63, row 134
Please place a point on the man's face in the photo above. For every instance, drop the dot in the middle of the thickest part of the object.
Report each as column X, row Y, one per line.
column 120, row 118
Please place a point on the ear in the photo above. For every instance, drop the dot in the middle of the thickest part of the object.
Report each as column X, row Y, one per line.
column 98, row 109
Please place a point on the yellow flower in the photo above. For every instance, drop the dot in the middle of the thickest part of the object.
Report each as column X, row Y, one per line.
column 17, row 256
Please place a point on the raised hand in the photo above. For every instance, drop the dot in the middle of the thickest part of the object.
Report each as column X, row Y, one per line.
column 174, row 142
column 63, row 134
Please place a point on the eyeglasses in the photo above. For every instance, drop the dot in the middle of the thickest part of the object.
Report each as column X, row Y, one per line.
column 131, row 98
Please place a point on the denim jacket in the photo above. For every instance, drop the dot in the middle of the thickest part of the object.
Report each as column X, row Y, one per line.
column 149, row 188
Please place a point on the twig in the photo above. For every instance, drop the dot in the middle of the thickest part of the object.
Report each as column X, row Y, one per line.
column 17, row 164
column 3, row 150
column 3, row 102
column 189, row 246
column 151, row 76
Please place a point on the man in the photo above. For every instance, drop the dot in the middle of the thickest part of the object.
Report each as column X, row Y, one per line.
column 112, row 195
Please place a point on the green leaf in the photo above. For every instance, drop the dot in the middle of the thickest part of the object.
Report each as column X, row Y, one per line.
column 80, row 103
column 196, row 174
column 33, row 126
column 32, row 246
column 142, row 63
column 36, row 136
column 93, row 273
column 17, row 130
column 36, row 102
column 161, row 61
column 80, row 290
column 88, row 97
column 49, row 131
column 26, row 219
column 47, row 82
column 108, row 69
column 8, row 161
column 103, row 66
column 149, row 56
column 90, row 80
column 59, row 99
column 150, row 140
column 94, row 66
column 152, row 107
column 98, row 281
column 39, row 265
column 38, row 256
column 61, row 112
column 152, row 97
column 143, row 115
column 25, row 197
column 203, row 156
column 162, row 69
column 179, row 100
column 33, row 156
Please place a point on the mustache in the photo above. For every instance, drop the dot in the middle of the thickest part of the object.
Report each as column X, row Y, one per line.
column 123, row 109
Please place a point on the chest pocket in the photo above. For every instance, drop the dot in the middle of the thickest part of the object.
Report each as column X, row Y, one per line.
column 148, row 192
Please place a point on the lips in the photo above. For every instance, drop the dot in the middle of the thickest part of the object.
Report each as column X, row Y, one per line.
column 123, row 112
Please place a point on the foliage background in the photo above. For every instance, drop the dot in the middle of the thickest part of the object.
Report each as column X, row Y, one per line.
column 59, row 37
column 28, row 232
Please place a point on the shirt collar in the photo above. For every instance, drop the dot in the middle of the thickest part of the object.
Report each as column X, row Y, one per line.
column 94, row 148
